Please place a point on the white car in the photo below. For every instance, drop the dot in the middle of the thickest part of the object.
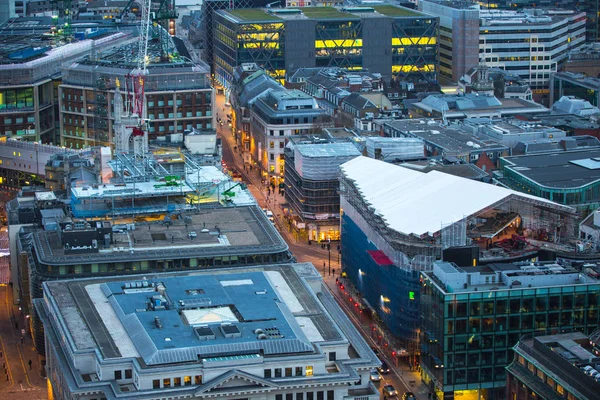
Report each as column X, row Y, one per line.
column 375, row 376
column 269, row 213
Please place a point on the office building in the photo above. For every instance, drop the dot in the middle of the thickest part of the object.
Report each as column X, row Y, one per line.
column 553, row 366
column 589, row 7
column 178, row 95
column 472, row 317
column 578, row 85
column 396, row 222
column 459, row 36
column 532, row 54
column 28, row 75
column 274, row 332
column 276, row 115
column 570, row 178
column 312, row 169
column 283, row 40
column 511, row 131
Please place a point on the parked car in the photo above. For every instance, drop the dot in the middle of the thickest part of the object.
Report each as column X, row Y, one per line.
column 384, row 369
column 409, row 396
column 375, row 376
column 389, row 391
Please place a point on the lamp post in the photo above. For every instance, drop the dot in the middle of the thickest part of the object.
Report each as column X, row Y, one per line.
column 329, row 255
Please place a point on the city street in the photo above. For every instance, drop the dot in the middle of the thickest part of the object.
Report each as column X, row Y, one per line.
column 19, row 380
column 400, row 377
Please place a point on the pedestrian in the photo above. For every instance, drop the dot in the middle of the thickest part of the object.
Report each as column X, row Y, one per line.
column 22, row 339
column 334, row 273
column 16, row 325
column 29, row 362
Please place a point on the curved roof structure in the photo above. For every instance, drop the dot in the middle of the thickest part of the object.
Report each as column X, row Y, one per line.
column 417, row 203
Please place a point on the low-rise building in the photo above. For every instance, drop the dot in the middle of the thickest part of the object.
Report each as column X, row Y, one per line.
column 511, row 131
column 271, row 332
column 471, row 318
column 274, row 116
column 553, row 367
column 472, row 105
column 570, row 177
column 578, row 85
column 585, row 60
column 450, row 141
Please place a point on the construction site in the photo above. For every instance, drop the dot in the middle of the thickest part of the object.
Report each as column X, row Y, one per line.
column 387, row 238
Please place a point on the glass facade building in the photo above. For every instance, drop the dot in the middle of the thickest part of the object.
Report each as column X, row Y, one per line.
column 355, row 38
column 472, row 318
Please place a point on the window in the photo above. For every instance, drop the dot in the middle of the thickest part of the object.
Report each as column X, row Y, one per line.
column 271, row 145
column 309, row 370
column 332, row 356
column 289, row 396
column 330, row 395
column 198, row 379
column 187, row 380
column 118, row 375
column 277, row 372
column 272, row 132
column 560, row 389
column 127, row 374
column 267, row 373
column 298, row 371
column 156, row 384
column 320, row 395
column 278, row 397
column 280, row 133
column 299, row 396
column 310, row 396
column 288, row 372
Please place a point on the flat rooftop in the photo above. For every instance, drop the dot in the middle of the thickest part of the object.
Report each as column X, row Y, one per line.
column 219, row 231
column 201, row 316
column 452, row 138
column 570, row 169
column 319, row 13
column 453, row 279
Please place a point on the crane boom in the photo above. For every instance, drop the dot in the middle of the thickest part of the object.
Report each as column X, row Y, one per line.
column 138, row 75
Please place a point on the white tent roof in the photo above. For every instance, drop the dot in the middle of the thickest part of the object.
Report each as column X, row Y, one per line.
column 413, row 202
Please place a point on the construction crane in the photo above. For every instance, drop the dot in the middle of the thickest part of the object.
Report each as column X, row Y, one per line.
column 229, row 193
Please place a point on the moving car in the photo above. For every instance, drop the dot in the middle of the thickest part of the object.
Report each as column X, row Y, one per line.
column 389, row 391
column 409, row 396
column 384, row 369
column 375, row 376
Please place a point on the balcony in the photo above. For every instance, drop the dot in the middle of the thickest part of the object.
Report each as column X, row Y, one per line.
column 368, row 393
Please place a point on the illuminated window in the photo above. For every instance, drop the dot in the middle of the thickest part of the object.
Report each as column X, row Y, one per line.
column 309, row 370
column 198, row 379
column 187, row 380
column 167, row 382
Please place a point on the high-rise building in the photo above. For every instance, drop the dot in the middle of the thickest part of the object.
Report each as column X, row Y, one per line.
column 559, row 366
column 501, row 42
column 396, row 42
column 274, row 332
column 472, row 317
column 459, row 36
column 589, row 7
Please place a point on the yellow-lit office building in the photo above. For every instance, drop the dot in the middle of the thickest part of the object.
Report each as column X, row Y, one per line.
column 397, row 42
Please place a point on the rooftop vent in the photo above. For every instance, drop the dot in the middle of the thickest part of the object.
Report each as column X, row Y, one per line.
column 158, row 323
column 204, row 333
column 230, row 331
